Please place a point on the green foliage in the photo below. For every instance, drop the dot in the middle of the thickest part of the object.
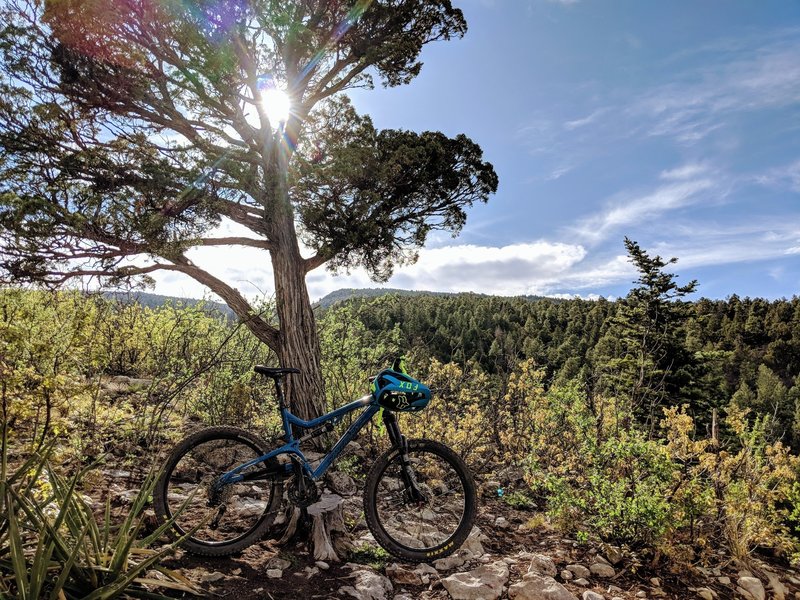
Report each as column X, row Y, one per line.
column 518, row 500
column 53, row 546
column 372, row 555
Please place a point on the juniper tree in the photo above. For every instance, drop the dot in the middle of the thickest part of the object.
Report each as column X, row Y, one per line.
column 130, row 130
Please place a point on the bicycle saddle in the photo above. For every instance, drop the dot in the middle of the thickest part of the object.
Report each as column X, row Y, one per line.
column 274, row 373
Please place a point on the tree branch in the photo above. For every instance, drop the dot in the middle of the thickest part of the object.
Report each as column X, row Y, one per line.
column 235, row 241
column 233, row 298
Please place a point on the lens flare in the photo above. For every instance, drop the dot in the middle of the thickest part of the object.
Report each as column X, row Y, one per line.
column 277, row 105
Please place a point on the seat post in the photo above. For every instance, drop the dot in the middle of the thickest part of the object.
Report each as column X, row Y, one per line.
column 279, row 392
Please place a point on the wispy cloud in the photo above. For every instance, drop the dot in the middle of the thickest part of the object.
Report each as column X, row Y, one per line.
column 783, row 177
column 698, row 101
column 575, row 124
column 634, row 210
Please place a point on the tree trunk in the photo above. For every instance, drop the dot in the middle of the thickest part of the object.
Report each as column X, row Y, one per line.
column 298, row 342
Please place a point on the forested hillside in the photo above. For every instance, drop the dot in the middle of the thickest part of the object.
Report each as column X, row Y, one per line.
column 747, row 348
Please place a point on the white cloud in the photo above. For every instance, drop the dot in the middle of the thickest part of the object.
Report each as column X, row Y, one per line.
column 687, row 171
column 632, row 211
column 570, row 125
column 741, row 80
column 787, row 176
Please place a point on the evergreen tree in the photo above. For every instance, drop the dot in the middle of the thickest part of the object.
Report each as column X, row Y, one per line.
column 642, row 360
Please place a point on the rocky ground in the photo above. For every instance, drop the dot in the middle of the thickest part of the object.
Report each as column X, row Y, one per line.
column 511, row 554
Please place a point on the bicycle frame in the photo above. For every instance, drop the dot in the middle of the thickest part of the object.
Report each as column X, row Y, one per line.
column 292, row 445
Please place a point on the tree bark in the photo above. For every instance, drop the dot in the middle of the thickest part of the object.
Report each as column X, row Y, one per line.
column 298, row 341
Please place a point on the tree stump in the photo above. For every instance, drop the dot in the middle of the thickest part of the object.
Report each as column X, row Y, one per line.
column 329, row 536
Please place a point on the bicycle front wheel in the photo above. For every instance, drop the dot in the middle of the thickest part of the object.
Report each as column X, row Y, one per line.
column 426, row 528
column 220, row 519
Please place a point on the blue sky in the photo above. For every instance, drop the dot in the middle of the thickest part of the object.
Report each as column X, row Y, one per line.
column 675, row 123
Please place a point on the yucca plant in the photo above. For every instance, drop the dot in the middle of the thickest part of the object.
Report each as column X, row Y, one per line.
column 53, row 546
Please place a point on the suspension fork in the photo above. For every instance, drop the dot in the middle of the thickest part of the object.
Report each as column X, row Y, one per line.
column 399, row 441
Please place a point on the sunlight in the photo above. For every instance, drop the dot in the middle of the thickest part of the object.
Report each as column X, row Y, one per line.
column 277, row 105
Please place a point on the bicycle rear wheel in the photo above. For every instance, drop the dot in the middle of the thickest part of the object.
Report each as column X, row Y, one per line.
column 225, row 519
column 420, row 530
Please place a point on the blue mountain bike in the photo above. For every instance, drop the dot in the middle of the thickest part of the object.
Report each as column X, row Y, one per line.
column 223, row 486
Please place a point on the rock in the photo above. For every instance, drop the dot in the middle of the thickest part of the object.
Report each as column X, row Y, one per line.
column 724, row 580
column 321, row 564
column 612, row 589
column 613, row 554
column 543, row 565
column 403, row 576
column 489, row 488
column 473, row 542
column 579, row 570
column 502, row 523
column 448, row 563
column 281, row 564
column 602, row 570
column 274, row 573
column 425, row 569
column 779, row 591
column 341, row 483
column 249, row 507
column 567, row 575
column 484, row 583
column 655, row 581
column 582, row 582
column 539, row 587
column 641, row 594
column 368, row 586
column 705, row 593
column 751, row 588
column 403, row 597
column 311, row 571
column 212, row 577
column 590, row 595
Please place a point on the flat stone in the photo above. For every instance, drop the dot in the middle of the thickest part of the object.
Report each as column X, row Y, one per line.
column 341, row 483
column 590, row 595
column 751, row 588
column 321, row 564
column 641, row 594
column 602, row 569
column 484, row 583
column 779, row 591
column 567, row 575
column 369, row 585
column 579, row 570
column 402, row 576
column 543, row 565
column 274, row 573
column 582, row 582
column 724, row 580
column 448, row 563
column 281, row 564
column 705, row 593
column 539, row 587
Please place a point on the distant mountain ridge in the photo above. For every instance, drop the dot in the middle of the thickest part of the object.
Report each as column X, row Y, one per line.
column 158, row 300
column 344, row 294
